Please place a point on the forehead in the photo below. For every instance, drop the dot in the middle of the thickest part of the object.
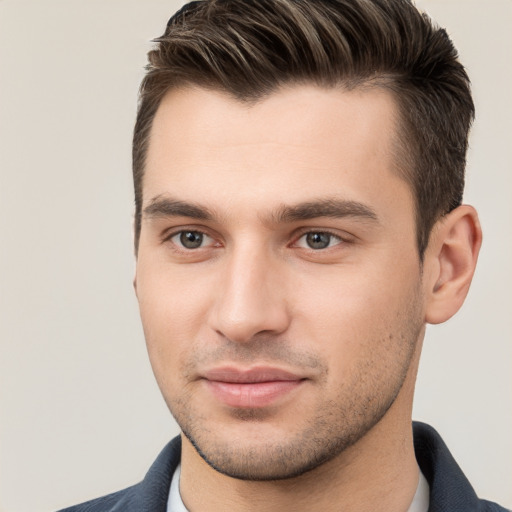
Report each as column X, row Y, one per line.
column 297, row 143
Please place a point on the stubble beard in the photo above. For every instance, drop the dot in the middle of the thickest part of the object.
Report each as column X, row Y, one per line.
column 319, row 441
column 334, row 426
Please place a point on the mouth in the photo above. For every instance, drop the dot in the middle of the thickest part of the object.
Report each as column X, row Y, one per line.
column 251, row 388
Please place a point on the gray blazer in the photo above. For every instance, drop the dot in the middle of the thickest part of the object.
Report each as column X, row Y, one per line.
column 450, row 490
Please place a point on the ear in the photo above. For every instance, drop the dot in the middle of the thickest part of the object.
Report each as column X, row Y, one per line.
column 135, row 245
column 450, row 261
column 134, row 282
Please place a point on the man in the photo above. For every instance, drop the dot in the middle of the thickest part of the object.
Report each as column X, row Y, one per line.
column 298, row 170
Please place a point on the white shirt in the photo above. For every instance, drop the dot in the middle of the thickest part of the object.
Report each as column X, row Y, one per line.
column 175, row 503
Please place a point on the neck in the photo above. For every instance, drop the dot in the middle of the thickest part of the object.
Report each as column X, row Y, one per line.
column 379, row 472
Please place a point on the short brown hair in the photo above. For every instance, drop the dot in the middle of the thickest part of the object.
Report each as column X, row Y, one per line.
column 249, row 48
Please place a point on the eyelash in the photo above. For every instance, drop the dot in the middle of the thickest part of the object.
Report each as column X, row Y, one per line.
column 169, row 236
column 340, row 240
column 337, row 237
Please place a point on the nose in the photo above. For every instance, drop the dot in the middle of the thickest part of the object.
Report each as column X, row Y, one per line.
column 251, row 298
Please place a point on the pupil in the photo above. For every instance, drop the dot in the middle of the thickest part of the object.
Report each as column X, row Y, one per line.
column 318, row 240
column 191, row 239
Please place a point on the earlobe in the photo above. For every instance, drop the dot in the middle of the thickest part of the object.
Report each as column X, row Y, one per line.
column 451, row 259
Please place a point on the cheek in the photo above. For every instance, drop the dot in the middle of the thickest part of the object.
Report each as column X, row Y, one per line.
column 171, row 298
column 357, row 316
column 172, row 308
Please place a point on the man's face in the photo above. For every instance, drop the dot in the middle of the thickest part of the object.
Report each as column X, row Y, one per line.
column 277, row 275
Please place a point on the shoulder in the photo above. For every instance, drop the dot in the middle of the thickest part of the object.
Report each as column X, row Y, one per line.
column 489, row 506
column 449, row 487
column 149, row 495
column 120, row 500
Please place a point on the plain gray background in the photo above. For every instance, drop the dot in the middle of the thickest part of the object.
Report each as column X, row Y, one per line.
column 80, row 413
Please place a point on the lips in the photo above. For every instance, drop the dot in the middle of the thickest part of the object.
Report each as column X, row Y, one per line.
column 251, row 388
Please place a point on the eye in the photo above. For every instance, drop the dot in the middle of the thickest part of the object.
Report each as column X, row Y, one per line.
column 191, row 239
column 318, row 240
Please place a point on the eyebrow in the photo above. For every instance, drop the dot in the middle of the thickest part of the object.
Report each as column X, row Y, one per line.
column 161, row 206
column 168, row 207
column 334, row 208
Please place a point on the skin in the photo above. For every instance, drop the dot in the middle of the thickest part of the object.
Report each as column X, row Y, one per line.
column 248, row 183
